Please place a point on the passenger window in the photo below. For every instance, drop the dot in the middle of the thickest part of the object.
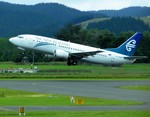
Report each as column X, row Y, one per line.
column 20, row 37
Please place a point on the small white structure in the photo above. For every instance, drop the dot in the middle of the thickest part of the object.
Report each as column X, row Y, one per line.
column 19, row 70
column 72, row 99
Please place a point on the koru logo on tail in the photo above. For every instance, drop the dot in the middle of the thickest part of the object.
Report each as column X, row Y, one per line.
column 130, row 45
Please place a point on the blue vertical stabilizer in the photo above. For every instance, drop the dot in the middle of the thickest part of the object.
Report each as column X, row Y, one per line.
column 129, row 47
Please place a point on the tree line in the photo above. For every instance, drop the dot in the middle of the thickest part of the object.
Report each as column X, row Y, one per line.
column 92, row 37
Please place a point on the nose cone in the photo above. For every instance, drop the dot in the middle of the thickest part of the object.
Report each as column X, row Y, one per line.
column 12, row 40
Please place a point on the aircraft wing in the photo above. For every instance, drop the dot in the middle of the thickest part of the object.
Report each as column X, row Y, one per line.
column 135, row 57
column 81, row 55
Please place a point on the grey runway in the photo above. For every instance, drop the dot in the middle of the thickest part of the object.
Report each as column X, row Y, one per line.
column 90, row 88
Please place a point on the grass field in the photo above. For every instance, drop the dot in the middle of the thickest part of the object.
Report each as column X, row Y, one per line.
column 23, row 98
column 61, row 71
column 86, row 23
column 146, row 20
column 82, row 71
column 79, row 114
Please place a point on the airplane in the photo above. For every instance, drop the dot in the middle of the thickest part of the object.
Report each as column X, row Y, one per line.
column 73, row 52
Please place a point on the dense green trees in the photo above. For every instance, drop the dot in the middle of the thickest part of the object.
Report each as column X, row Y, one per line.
column 93, row 37
column 126, row 12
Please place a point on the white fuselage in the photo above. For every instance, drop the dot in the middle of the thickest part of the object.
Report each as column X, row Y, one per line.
column 50, row 45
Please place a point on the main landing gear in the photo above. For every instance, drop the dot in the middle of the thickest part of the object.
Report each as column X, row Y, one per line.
column 72, row 62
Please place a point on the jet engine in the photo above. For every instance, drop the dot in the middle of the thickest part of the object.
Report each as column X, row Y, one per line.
column 61, row 54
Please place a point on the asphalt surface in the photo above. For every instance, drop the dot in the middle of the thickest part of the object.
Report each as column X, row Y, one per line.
column 95, row 88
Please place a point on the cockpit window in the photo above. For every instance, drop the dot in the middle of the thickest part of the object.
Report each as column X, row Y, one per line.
column 20, row 37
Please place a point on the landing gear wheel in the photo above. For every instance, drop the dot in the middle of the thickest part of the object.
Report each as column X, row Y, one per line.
column 71, row 62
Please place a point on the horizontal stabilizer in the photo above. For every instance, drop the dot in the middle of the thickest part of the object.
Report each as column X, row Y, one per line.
column 135, row 57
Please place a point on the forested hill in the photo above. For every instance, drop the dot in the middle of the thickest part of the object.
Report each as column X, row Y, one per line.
column 121, row 24
column 48, row 18
column 130, row 11
column 42, row 19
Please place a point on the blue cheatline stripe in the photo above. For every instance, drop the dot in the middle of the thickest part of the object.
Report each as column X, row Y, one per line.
column 42, row 44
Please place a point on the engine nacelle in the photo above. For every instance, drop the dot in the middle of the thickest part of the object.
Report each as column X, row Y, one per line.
column 61, row 54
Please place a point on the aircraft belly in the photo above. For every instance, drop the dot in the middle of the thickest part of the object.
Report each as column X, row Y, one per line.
column 105, row 60
column 98, row 60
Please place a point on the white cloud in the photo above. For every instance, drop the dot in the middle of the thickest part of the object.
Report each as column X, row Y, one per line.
column 109, row 4
column 89, row 4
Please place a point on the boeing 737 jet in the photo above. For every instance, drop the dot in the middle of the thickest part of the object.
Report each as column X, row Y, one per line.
column 73, row 52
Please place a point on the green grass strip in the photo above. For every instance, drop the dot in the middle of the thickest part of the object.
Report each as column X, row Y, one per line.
column 23, row 98
column 79, row 114
column 82, row 71
column 143, row 88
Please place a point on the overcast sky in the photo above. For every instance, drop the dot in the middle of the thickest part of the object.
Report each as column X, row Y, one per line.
column 86, row 5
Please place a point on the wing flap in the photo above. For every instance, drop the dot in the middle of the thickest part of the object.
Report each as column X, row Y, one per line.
column 81, row 55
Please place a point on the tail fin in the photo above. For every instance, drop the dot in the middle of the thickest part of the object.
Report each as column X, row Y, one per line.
column 129, row 47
